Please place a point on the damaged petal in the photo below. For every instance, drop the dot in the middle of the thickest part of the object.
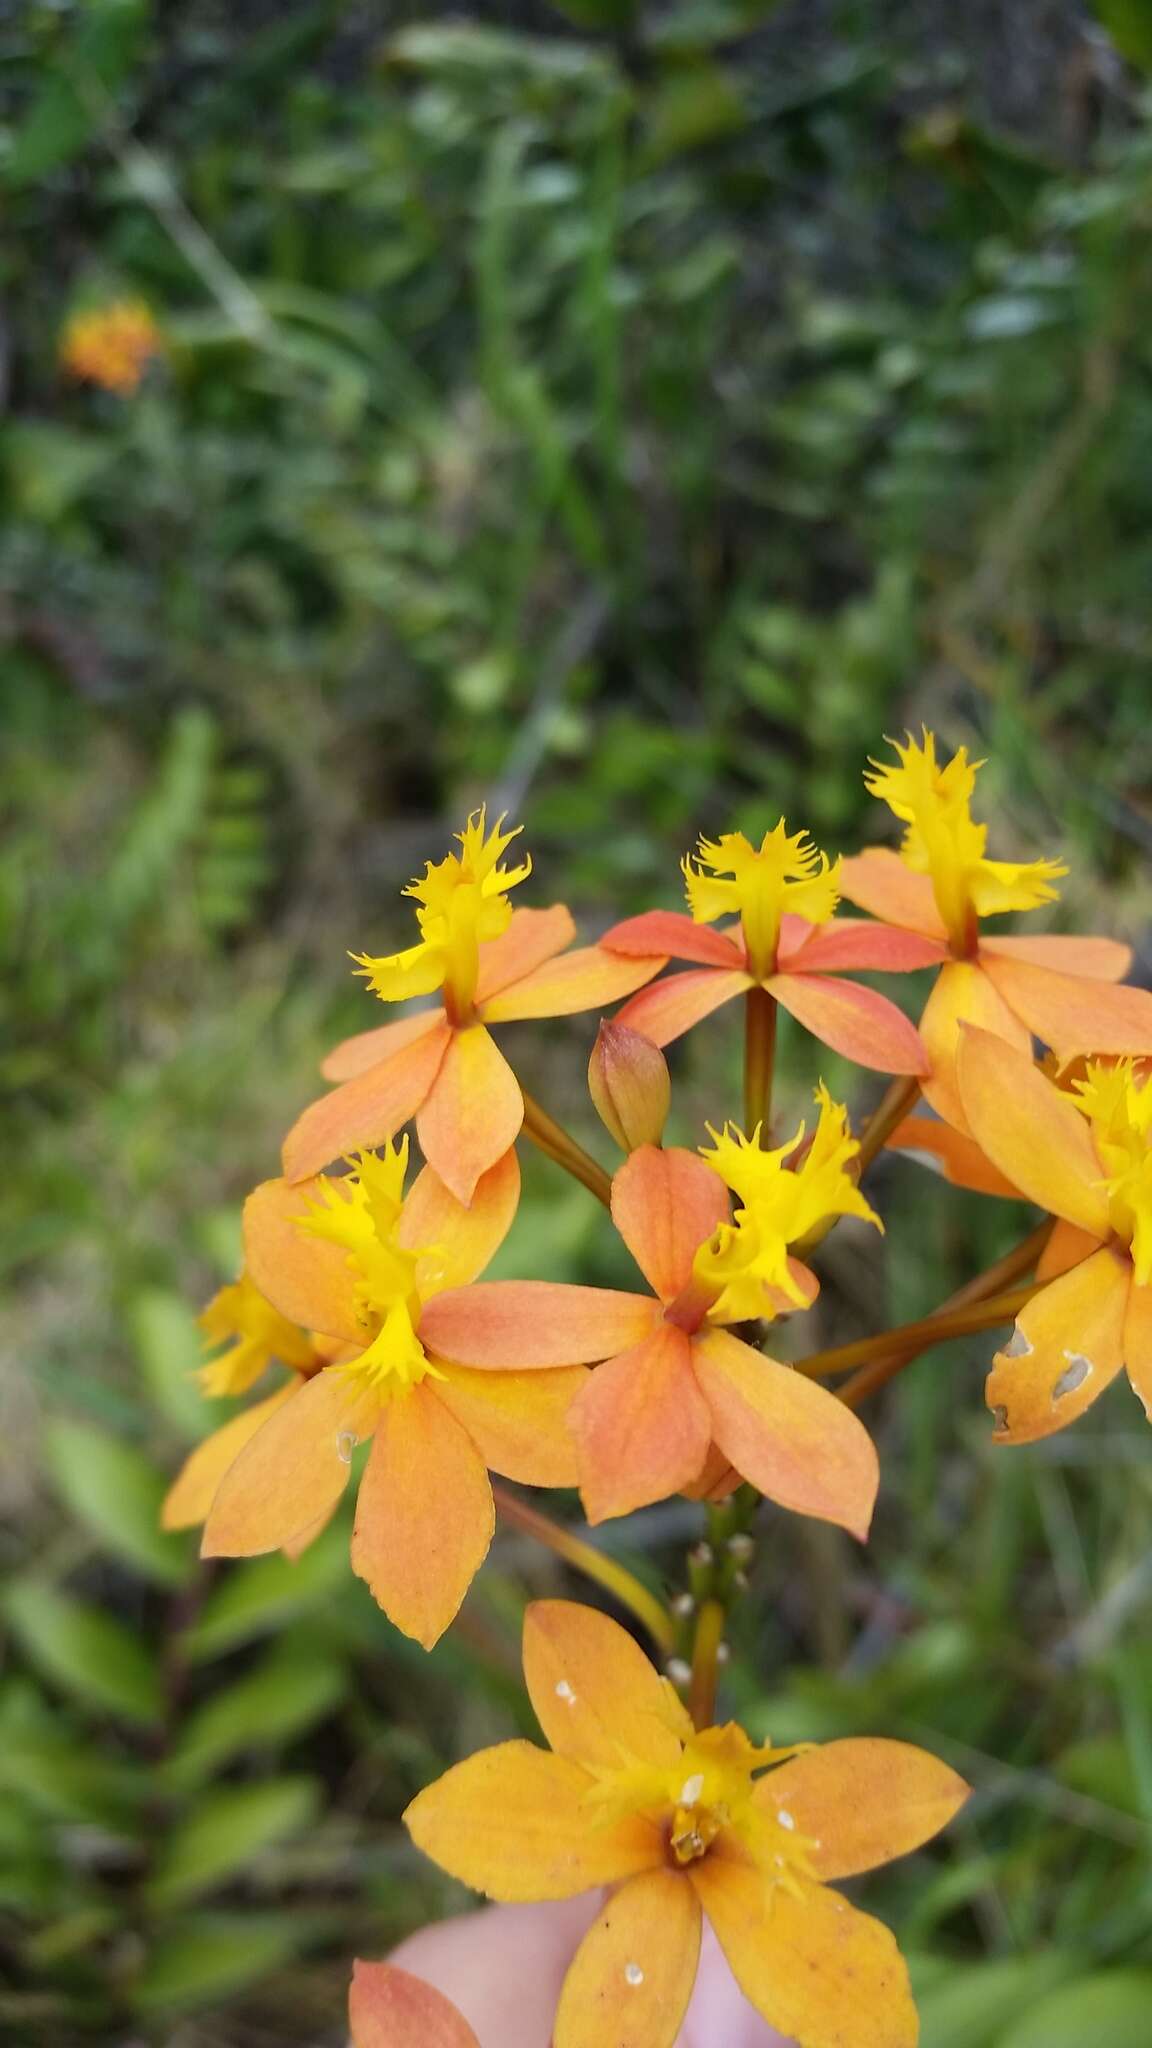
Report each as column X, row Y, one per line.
column 1018, row 1345
column 1073, row 1376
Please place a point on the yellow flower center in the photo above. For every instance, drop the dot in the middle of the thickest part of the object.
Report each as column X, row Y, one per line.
column 943, row 841
column 462, row 901
column 757, row 884
column 705, row 1794
column 254, row 1332
column 1118, row 1106
column 779, row 1203
column 362, row 1213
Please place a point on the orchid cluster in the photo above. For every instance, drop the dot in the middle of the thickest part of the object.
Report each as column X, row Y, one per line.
column 363, row 1290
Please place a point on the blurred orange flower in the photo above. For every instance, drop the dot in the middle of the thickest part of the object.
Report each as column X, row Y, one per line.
column 111, row 345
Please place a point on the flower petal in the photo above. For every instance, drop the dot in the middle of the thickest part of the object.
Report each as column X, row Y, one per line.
column 518, row 1421
column 516, row 1823
column 674, row 1005
column 522, row 1325
column 665, row 1206
column 389, row 2008
column 879, row 881
column 1030, row 1131
column 355, row 1055
column 861, row 1803
column 531, row 938
column 472, row 1113
column 587, row 979
column 293, row 1470
column 1138, row 1345
column 947, row 1151
column 194, row 1488
column 1065, row 1248
column 817, row 1969
column 718, row 1479
column 1072, row 1015
column 857, row 942
column 1095, row 959
column 679, row 937
column 963, row 994
column 305, row 1277
column 631, row 1977
column 424, row 1514
column 368, row 1109
column 594, row 1691
column 788, row 1435
column 855, row 1021
column 1067, row 1346
column 641, row 1425
column 460, row 1240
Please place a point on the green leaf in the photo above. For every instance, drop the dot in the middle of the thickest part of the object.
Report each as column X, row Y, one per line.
column 168, row 1346
column 287, row 1693
column 1112, row 2007
column 600, row 13
column 209, row 1956
column 84, row 1652
column 1129, row 23
column 68, row 1780
column 116, row 1493
column 227, row 1831
column 690, row 108
column 47, row 468
column 262, row 1595
column 74, row 100
column 967, row 2008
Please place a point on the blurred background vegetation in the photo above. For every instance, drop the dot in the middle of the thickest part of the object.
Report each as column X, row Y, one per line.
column 627, row 413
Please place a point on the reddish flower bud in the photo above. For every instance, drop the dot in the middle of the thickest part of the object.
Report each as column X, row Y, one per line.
column 628, row 1079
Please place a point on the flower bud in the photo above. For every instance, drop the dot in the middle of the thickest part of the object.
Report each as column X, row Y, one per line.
column 628, row 1079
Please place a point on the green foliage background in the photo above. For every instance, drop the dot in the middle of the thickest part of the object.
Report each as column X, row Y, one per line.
column 626, row 413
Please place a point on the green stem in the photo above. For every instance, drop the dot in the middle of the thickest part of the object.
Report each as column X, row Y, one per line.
column 614, row 1577
column 558, row 1144
column 759, row 1058
column 705, row 1663
column 909, row 1339
column 895, row 1104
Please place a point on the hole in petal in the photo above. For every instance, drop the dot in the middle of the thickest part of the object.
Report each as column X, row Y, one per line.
column 1074, row 1375
column 1000, row 1421
column 346, row 1443
column 633, row 1974
column 1018, row 1345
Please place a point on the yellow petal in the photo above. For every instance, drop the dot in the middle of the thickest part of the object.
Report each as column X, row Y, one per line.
column 593, row 1690
column 632, row 1975
column 293, row 1470
column 1067, row 1346
column 860, row 1803
column 1033, row 1133
column 460, row 1241
column 963, row 994
column 424, row 1514
column 517, row 1420
column 305, row 1276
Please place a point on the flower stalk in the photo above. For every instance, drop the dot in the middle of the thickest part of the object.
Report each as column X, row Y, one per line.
column 559, row 1145
column 615, row 1578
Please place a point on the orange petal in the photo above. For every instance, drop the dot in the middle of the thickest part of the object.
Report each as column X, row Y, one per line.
column 1065, row 1249
column 518, row 1421
column 665, row 1206
column 516, row 1823
column 424, row 1514
column 1067, row 1346
column 718, row 1479
column 521, row 1325
column 472, row 1113
column 460, row 1240
column 530, row 938
column 355, row 1055
column 292, row 1471
column 368, row 1109
column 1035, row 1135
column 855, row 1021
column 679, row 937
column 856, row 942
column 307, row 1278
column 682, row 1000
column 641, row 1425
column 861, row 1803
column 939, row 1146
column 879, row 881
column 823, row 1973
column 631, row 1977
column 1138, row 1344
column 788, row 1435
column 963, row 995
column 587, row 979
column 594, row 1691
column 1096, row 959
column 193, row 1490
column 1072, row 1015
column 389, row 2008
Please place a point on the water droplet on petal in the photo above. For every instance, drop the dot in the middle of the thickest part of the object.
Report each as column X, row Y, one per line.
column 564, row 1692
column 346, row 1443
column 785, row 1819
column 691, row 1789
column 633, row 1974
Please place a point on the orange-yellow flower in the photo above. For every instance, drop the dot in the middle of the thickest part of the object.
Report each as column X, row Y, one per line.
column 783, row 894
column 492, row 965
column 111, row 345
column 675, row 1381
column 361, row 1262
column 1086, row 1156
column 941, row 886
column 684, row 1822
column 390, row 2008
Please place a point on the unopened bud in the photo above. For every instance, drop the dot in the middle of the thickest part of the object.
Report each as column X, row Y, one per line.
column 628, row 1079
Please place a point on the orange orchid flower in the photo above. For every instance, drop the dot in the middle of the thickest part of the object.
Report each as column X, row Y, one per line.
column 781, row 892
column 940, row 887
column 390, row 2008
column 361, row 1262
column 681, row 1823
column 111, row 345
column 676, row 1381
column 492, row 965
column 1086, row 1156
